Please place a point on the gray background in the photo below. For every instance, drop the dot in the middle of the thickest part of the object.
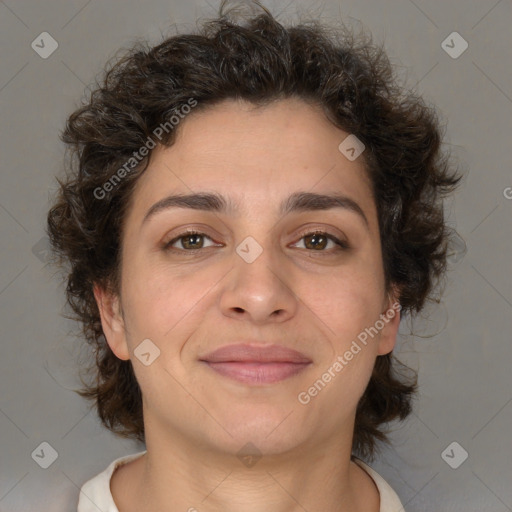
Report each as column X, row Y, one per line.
column 463, row 352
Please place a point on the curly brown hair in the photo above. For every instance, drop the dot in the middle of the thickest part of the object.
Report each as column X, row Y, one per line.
column 260, row 61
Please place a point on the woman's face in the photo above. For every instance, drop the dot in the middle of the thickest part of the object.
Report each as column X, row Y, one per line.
column 255, row 275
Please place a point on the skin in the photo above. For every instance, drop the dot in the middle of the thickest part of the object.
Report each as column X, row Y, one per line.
column 196, row 420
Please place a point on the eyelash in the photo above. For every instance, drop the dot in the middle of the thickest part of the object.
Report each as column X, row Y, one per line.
column 342, row 245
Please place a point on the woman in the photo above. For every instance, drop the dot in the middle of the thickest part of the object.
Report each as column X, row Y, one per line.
column 253, row 210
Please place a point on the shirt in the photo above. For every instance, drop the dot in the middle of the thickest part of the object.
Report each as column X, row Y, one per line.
column 95, row 493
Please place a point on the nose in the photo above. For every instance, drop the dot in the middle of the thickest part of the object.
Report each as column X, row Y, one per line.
column 260, row 291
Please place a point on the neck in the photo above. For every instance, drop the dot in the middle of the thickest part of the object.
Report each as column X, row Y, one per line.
column 195, row 478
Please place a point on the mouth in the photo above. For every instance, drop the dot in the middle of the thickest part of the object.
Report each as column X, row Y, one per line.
column 257, row 373
column 256, row 364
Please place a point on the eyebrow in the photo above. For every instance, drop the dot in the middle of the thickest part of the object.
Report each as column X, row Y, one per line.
column 297, row 202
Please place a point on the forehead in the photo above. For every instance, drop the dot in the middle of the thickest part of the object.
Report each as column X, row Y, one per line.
column 255, row 157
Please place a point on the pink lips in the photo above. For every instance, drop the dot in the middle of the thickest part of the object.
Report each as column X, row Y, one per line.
column 256, row 364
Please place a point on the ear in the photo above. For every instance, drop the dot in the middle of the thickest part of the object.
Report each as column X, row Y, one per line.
column 391, row 318
column 112, row 321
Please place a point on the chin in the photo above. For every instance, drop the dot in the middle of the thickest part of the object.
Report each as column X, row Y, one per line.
column 272, row 430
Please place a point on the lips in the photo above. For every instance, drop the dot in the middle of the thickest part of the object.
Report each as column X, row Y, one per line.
column 256, row 363
column 244, row 352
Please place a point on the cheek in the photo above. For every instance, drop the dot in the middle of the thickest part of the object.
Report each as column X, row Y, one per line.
column 350, row 306
column 347, row 301
column 160, row 302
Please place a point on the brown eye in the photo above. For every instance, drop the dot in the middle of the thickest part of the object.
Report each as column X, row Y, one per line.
column 189, row 241
column 192, row 241
column 318, row 241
